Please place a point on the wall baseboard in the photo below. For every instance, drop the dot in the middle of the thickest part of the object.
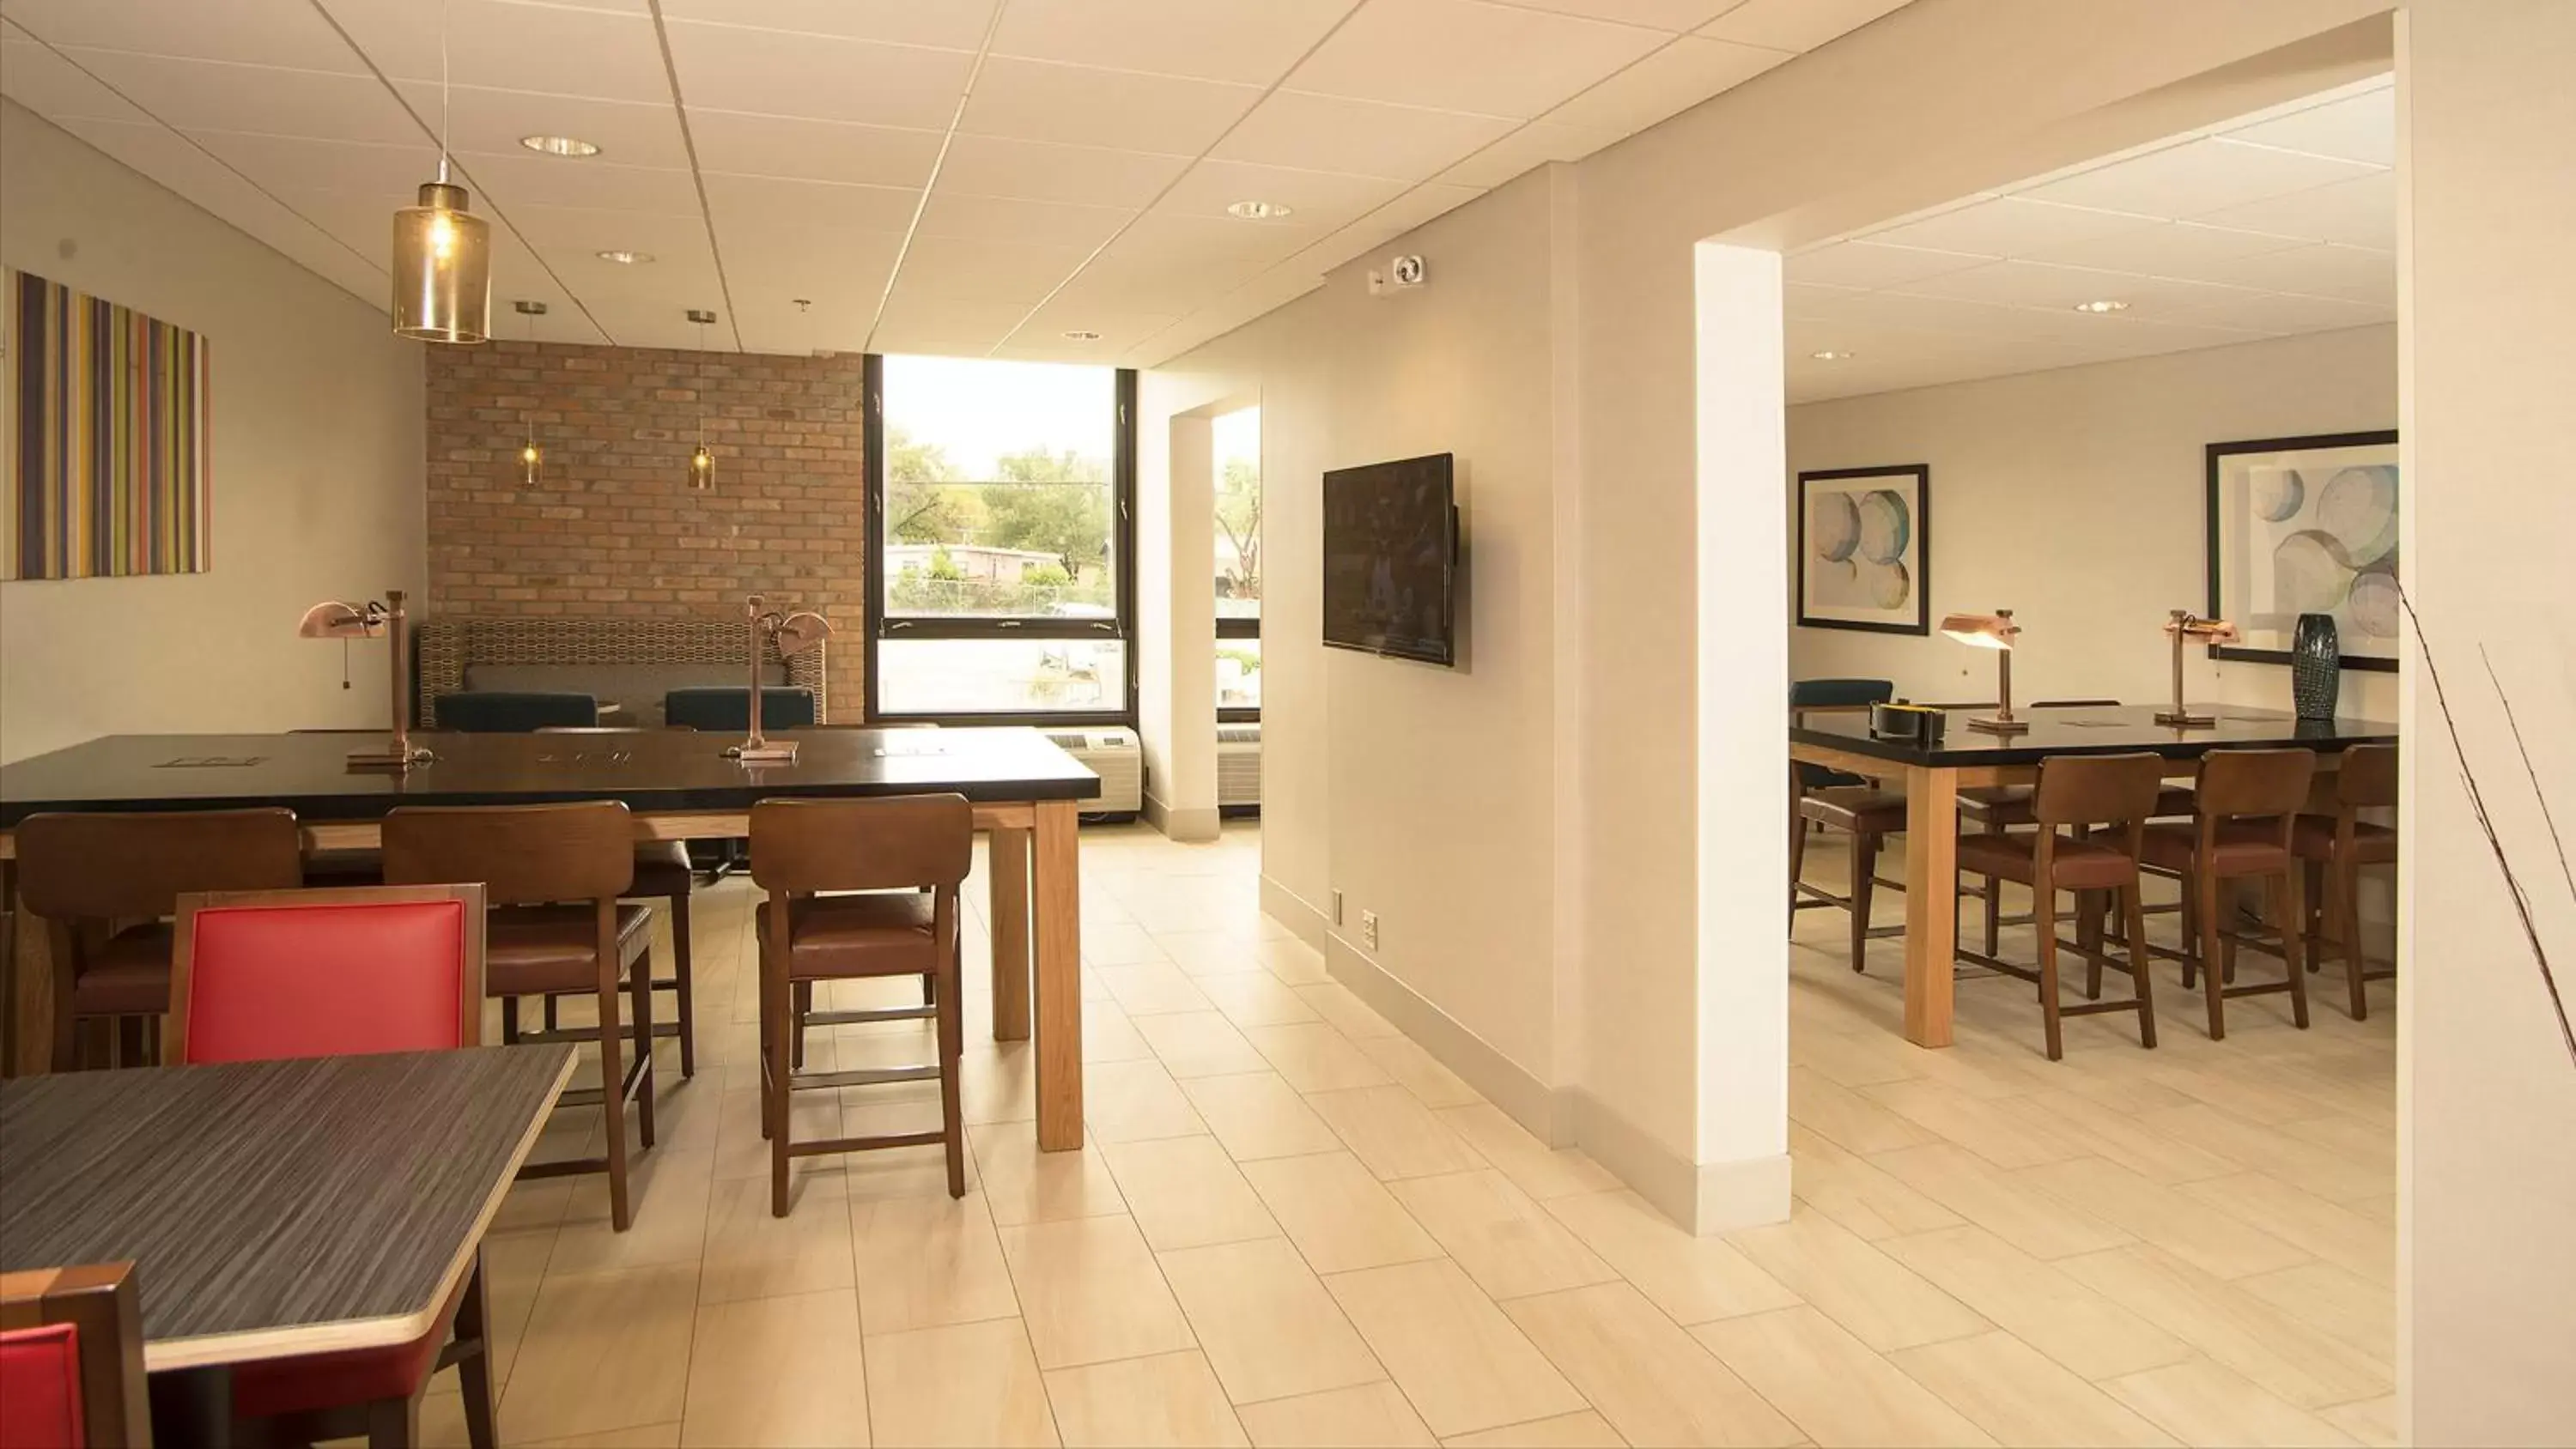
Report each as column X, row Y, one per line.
column 1705, row 1197
column 1295, row 912
column 1189, row 827
column 1505, row 1083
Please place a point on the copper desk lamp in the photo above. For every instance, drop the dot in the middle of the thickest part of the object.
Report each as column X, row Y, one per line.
column 1998, row 632
column 332, row 619
column 795, row 634
column 2185, row 625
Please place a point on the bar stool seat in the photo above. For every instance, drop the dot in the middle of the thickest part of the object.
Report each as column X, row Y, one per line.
column 554, row 950
column 2240, row 847
column 2313, row 838
column 859, row 935
column 1855, row 808
column 2004, row 806
column 662, row 868
column 2081, row 865
column 128, row 975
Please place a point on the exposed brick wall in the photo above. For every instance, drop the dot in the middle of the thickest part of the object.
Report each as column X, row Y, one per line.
column 611, row 527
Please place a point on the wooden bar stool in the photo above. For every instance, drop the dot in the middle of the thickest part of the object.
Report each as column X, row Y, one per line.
column 663, row 873
column 2335, row 848
column 106, row 886
column 909, row 855
column 553, row 875
column 1868, row 815
column 1994, row 809
column 2084, row 793
column 2242, row 818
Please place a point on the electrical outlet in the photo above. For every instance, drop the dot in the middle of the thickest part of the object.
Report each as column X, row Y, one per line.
column 1337, row 907
column 1368, row 929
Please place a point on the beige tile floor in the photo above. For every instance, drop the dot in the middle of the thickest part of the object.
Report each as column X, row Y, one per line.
column 1293, row 1227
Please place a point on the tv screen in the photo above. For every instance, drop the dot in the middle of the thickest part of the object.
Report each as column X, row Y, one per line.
column 1391, row 559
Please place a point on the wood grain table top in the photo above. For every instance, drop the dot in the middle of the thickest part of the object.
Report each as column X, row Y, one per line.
column 273, row 1208
column 2101, row 730
column 650, row 770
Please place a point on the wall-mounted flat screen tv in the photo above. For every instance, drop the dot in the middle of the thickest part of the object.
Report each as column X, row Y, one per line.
column 1391, row 559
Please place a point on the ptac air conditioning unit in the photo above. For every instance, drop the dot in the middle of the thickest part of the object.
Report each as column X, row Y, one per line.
column 1114, row 756
column 1238, row 767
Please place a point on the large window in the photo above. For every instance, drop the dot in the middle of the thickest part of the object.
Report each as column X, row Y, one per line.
column 1004, row 529
column 1238, row 565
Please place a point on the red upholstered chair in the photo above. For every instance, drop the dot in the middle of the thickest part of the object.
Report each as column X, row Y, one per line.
column 71, row 1359
column 270, row 974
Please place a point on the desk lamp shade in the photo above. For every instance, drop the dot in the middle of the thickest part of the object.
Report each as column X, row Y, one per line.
column 2185, row 626
column 333, row 619
column 1998, row 632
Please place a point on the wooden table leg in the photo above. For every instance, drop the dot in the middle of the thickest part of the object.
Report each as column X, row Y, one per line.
column 30, row 990
column 1059, row 975
column 1009, row 864
column 1931, row 901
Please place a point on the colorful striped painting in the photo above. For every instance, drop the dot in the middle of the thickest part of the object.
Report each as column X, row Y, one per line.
column 109, row 465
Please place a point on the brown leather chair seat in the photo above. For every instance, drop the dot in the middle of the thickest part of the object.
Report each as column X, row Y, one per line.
column 662, row 869
column 2085, row 865
column 553, row 950
column 333, row 868
column 2313, row 838
column 2242, row 847
column 1855, row 808
column 127, row 976
column 887, row 934
column 2009, row 805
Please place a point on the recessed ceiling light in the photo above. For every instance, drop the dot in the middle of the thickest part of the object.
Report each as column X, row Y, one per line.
column 2102, row 304
column 559, row 145
column 1831, row 355
column 626, row 259
column 1260, row 210
column 1080, row 334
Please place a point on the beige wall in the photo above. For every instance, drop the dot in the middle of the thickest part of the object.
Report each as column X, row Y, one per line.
column 2487, row 1105
column 317, row 473
column 2076, row 498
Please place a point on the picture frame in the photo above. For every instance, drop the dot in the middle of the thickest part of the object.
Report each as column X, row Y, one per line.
column 1865, row 549
column 2306, row 525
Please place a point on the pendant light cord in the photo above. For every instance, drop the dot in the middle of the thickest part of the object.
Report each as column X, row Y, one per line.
column 445, row 104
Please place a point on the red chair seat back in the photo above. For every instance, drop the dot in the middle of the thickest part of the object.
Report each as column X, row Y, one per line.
column 40, row 1388
column 349, row 972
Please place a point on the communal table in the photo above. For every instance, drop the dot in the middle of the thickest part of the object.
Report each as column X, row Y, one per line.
column 1026, row 791
column 1933, row 775
column 272, row 1209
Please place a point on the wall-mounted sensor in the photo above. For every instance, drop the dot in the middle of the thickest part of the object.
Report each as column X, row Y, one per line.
column 1407, row 271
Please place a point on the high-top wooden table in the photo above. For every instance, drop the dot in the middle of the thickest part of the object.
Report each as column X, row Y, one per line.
column 1027, row 794
column 272, row 1209
column 1933, row 776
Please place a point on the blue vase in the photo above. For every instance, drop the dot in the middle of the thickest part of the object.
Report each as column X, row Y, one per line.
column 2316, row 666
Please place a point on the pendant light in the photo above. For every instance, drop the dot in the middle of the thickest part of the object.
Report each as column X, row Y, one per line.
column 702, row 464
column 442, row 253
column 531, row 456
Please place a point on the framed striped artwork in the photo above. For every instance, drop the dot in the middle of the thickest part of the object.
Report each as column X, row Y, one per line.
column 108, row 463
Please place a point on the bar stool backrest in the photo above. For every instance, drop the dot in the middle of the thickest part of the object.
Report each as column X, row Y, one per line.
column 904, row 842
column 2097, row 789
column 522, row 855
column 2241, row 784
column 113, row 866
column 2367, row 778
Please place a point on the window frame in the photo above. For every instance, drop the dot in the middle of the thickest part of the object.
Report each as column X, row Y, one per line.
column 1121, row 626
column 1238, row 629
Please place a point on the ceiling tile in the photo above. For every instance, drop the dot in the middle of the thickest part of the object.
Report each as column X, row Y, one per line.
column 770, row 321
column 1043, row 331
column 1671, row 80
column 1040, row 171
column 1151, row 280
column 975, row 270
column 360, row 222
column 1040, row 223
column 1796, row 24
column 1317, row 198
column 681, row 277
column 1673, row 15
column 817, row 209
column 1871, row 264
column 1362, row 138
column 2054, row 288
column 220, row 96
column 2166, row 249
column 554, row 228
column 955, row 24
column 2196, row 177
column 1251, row 43
column 1467, row 55
column 547, row 180
column 627, row 133
column 1182, row 239
column 845, row 280
column 2356, row 128
column 649, row 322
column 259, row 32
column 812, row 150
column 1032, row 100
column 2001, row 226
column 2277, row 312
column 284, row 163
column 2361, row 213
column 2355, row 274
column 1413, row 208
column 938, row 326
column 768, row 72
column 55, row 88
column 552, row 49
column 1533, row 145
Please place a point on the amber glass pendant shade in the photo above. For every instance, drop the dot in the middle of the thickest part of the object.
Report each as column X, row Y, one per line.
column 442, row 268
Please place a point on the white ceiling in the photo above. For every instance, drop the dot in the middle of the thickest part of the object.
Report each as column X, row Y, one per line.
column 2272, row 224
column 951, row 176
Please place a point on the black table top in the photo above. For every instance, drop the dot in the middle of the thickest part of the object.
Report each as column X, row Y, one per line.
column 2109, row 730
column 273, row 1208
column 653, row 770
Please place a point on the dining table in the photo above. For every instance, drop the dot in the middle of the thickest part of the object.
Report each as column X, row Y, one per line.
column 272, row 1209
column 1955, row 756
column 1027, row 795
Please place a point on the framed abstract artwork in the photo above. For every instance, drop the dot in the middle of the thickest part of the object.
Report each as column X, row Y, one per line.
column 108, row 466
column 2306, row 526
column 1865, row 549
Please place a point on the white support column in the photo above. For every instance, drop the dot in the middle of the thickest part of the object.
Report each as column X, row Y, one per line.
column 1742, row 661
column 1176, row 619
